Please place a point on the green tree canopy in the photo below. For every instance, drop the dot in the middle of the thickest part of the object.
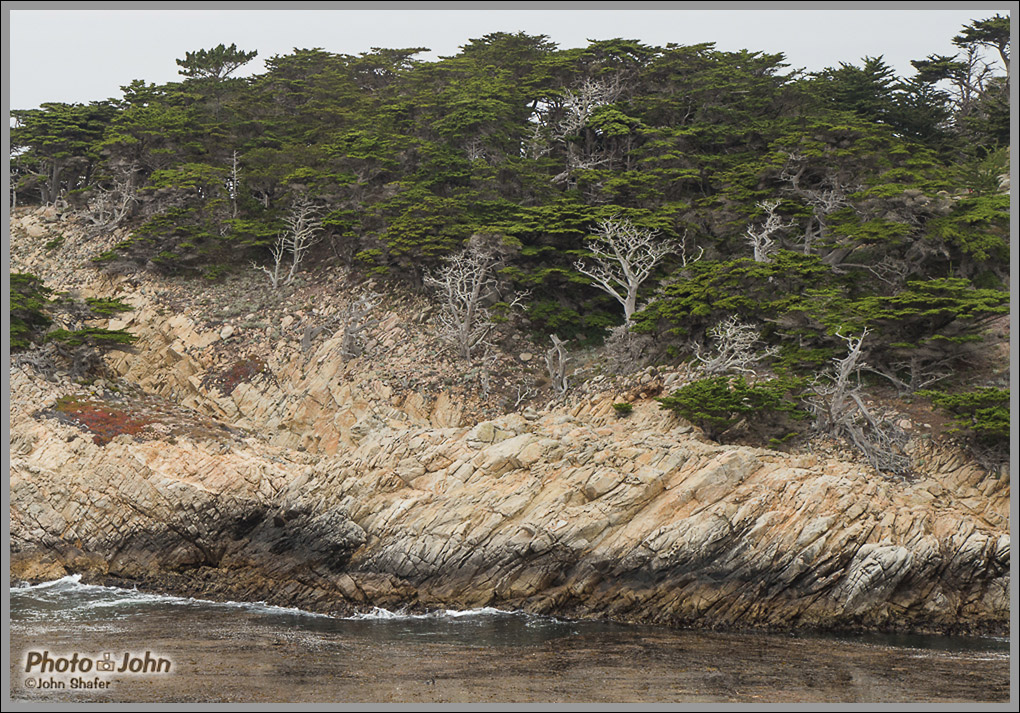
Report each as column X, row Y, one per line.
column 216, row 63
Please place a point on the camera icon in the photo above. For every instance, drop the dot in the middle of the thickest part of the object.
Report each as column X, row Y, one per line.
column 106, row 664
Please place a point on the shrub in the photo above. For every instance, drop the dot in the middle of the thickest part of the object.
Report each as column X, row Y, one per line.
column 29, row 303
column 33, row 312
column 623, row 409
column 985, row 412
column 93, row 337
column 716, row 404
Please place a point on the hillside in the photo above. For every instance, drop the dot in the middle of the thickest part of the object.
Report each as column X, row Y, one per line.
column 322, row 482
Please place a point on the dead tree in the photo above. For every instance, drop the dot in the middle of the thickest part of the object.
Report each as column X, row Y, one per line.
column 920, row 373
column 734, row 348
column 829, row 195
column 761, row 238
column 521, row 395
column 556, row 363
column 279, row 250
column 839, row 410
column 971, row 77
column 485, row 373
column 536, row 145
column 303, row 228
column 109, row 207
column 357, row 318
column 43, row 360
column 235, row 183
column 303, row 231
column 468, row 285
column 578, row 105
column 624, row 257
column 625, row 351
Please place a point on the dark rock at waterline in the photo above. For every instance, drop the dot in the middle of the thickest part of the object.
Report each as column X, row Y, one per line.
column 648, row 527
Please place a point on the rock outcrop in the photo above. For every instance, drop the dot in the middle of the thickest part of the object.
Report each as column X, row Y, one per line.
column 566, row 514
column 330, row 489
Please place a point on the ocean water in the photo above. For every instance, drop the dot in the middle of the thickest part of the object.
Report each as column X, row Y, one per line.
column 139, row 646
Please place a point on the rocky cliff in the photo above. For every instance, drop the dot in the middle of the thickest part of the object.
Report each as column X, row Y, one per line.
column 247, row 459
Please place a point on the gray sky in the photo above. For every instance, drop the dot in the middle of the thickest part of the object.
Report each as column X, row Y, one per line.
column 85, row 55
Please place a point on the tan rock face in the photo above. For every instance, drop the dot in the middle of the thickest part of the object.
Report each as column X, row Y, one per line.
column 336, row 490
column 551, row 515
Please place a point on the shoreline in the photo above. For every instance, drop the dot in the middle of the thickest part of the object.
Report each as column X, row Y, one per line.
column 993, row 631
column 234, row 655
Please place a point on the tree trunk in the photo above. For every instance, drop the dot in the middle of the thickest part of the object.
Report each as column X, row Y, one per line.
column 630, row 305
column 54, row 192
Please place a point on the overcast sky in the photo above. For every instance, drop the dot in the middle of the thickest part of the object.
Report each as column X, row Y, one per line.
column 85, row 55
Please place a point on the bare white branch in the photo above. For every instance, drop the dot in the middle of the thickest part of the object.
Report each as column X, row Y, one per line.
column 577, row 106
column 734, row 348
column 485, row 372
column 108, row 208
column 829, row 195
column 279, row 250
column 579, row 103
column 761, row 237
column 468, row 284
column 839, row 409
column 624, row 257
column 357, row 318
column 556, row 363
column 523, row 394
column 303, row 226
column 688, row 258
column 234, row 183
column 537, row 144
